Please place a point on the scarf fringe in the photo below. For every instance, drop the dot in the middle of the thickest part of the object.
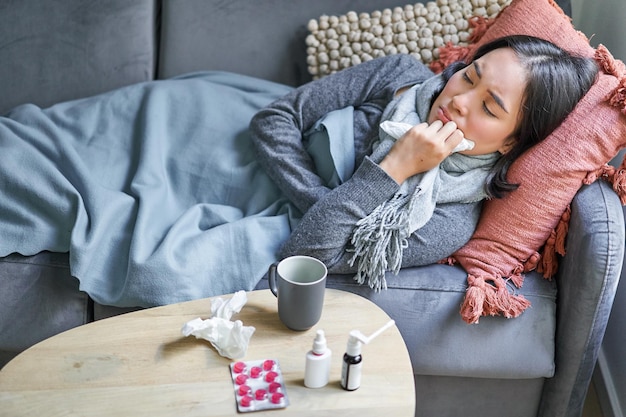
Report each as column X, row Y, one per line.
column 490, row 296
column 379, row 242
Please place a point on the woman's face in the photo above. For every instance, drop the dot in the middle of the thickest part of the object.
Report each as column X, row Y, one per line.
column 484, row 100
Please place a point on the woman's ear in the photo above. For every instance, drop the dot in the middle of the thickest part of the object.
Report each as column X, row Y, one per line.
column 508, row 144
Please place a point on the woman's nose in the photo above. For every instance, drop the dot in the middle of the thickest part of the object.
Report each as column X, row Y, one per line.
column 459, row 103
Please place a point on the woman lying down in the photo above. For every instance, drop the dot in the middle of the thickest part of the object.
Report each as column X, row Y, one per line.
column 164, row 191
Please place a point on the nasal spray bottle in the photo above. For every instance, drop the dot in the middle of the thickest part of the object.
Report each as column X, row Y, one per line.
column 352, row 359
column 317, row 366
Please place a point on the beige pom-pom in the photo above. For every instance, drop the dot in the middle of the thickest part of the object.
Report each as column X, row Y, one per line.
column 312, row 26
column 400, row 38
column 312, row 41
column 427, row 55
column 399, row 26
column 323, row 22
column 402, row 48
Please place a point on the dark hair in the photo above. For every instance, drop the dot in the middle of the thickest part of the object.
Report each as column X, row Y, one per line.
column 556, row 81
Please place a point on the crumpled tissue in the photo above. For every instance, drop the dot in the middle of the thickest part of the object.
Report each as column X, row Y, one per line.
column 229, row 338
column 397, row 129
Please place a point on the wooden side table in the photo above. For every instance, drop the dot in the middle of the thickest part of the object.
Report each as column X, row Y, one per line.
column 140, row 364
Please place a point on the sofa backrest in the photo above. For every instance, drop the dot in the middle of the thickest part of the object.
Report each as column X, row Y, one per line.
column 264, row 39
column 61, row 50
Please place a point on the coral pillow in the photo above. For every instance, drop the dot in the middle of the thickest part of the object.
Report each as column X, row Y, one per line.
column 512, row 230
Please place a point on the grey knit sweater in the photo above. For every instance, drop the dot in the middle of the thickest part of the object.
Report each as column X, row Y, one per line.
column 331, row 214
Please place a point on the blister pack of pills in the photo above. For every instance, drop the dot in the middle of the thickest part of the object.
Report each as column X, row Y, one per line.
column 259, row 385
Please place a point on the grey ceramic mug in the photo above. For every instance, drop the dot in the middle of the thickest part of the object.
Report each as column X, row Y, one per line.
column 299, row 283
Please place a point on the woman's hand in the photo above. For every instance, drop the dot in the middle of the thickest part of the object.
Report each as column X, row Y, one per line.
column 420, row 149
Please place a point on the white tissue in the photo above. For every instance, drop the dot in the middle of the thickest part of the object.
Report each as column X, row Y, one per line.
column 464, row 145
column 397, row 129
column 229, row 338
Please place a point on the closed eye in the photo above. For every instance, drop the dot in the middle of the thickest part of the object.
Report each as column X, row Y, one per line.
column 486, row 109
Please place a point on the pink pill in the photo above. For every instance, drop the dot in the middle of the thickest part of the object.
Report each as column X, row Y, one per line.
column 245, row 401
column 244, row 390
column 268, row 365
column 260, row 394
column 241, row 379
column 271, row 376
column 239, row 367
column 255, row 371
column 274, row 387
column 277, row 398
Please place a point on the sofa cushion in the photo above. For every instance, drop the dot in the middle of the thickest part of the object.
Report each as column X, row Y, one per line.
column 39, row 299
column 424, row 302
column 57, row 51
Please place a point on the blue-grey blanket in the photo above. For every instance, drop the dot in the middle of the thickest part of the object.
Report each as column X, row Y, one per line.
column 153, row 189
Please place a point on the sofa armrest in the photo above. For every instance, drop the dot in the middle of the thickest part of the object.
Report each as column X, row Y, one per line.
column 587, row 282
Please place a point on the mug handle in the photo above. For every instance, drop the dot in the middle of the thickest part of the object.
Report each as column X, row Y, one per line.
column 272, row 279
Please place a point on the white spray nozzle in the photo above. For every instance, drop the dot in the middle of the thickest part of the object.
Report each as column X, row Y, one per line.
column 356, row 338
column 364, row 339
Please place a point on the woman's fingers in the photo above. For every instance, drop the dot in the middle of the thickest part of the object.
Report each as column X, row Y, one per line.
column 422, row 148
column 447, row 133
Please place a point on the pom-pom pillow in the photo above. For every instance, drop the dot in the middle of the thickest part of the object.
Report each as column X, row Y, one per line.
column 337, row 42
column 512, row 230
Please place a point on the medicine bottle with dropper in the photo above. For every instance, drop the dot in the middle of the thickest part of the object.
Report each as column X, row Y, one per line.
column 317, row 366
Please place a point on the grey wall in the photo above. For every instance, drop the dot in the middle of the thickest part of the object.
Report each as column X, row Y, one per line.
column 604, row 22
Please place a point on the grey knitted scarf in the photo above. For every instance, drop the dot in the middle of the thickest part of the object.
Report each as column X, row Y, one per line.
column 379, row 238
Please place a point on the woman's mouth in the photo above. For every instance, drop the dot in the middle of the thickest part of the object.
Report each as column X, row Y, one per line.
column 442, row 114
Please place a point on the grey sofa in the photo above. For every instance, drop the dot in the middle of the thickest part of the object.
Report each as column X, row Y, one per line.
column 539, row 364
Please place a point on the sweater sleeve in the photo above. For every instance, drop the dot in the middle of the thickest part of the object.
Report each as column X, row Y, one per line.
column 277, row 129
column 325, row 230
